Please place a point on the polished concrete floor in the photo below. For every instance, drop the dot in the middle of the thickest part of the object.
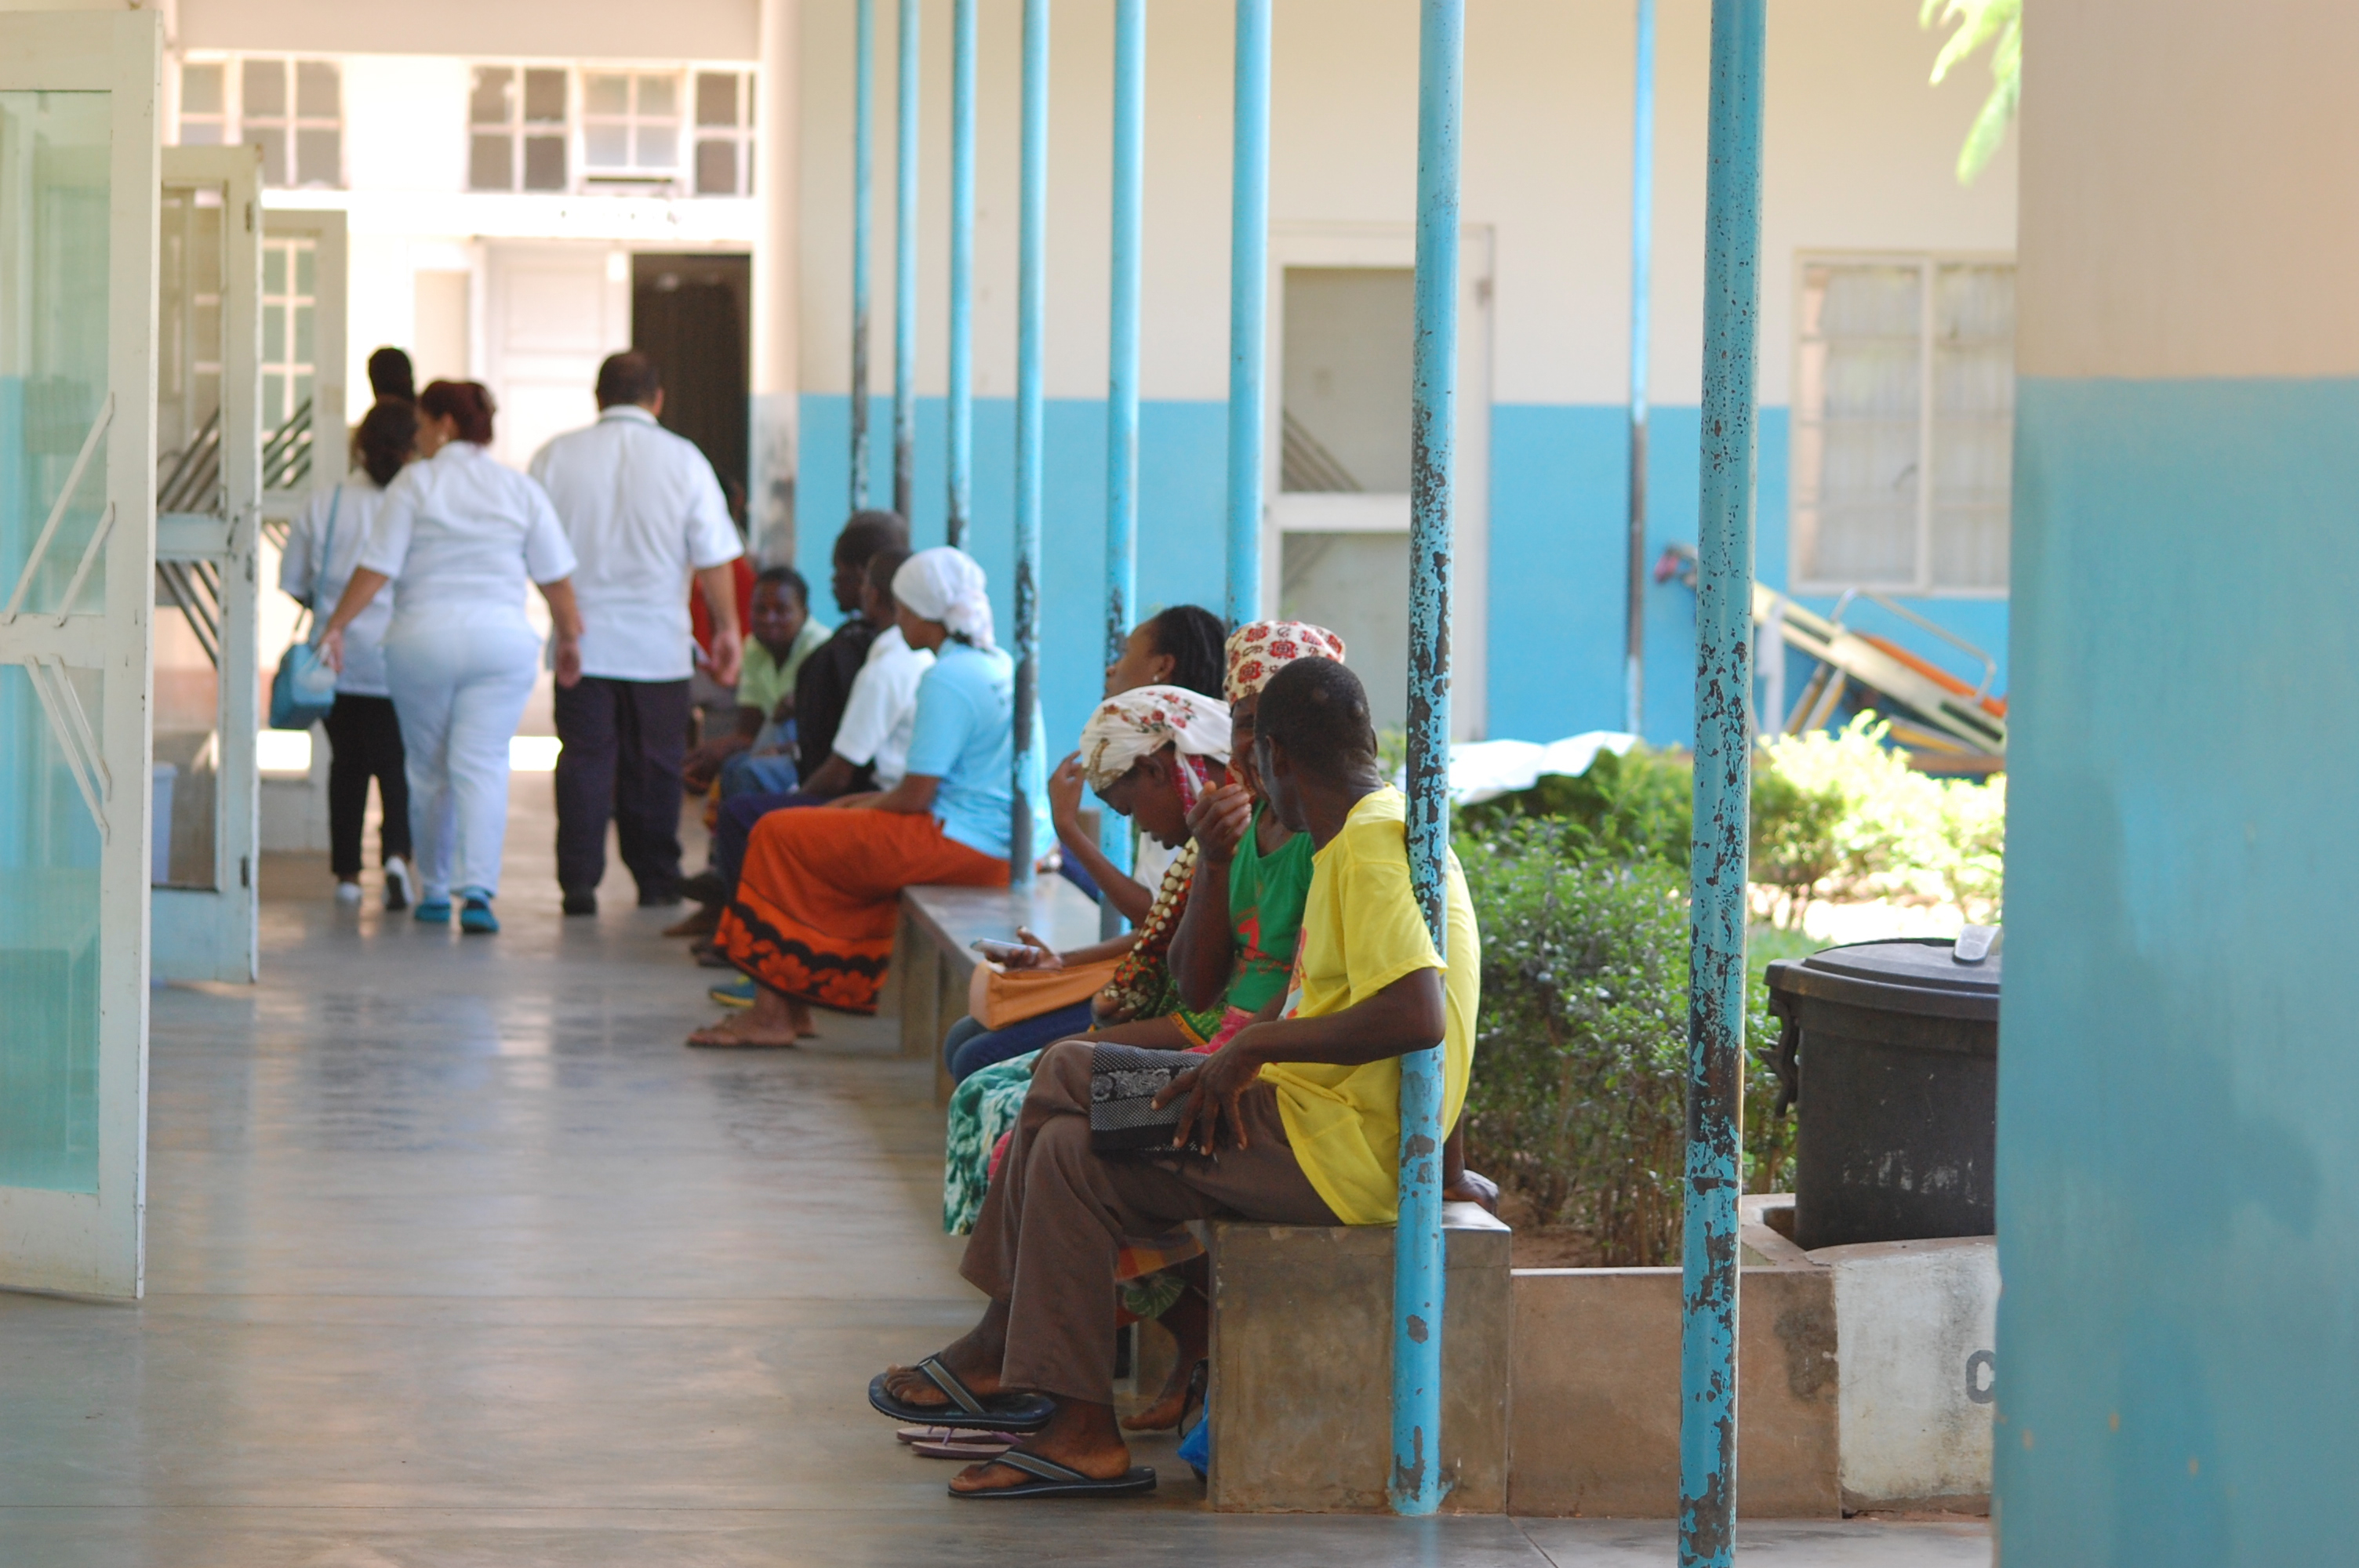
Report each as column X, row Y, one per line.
column 456, row 1257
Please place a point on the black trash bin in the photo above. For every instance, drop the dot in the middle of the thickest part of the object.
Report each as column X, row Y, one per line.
column 1889, row 1053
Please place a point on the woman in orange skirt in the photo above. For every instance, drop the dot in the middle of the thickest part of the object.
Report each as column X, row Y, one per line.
column 816, row 906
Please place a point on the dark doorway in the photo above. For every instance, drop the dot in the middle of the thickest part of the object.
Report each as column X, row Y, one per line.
column 690, row 314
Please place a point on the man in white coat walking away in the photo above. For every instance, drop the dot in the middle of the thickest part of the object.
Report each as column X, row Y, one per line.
column 645, row 516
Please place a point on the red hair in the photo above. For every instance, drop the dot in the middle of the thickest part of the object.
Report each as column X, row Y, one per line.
column 467, row 404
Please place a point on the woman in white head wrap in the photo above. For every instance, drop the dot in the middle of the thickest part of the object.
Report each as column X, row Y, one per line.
column 944, row 586
column 820, row 892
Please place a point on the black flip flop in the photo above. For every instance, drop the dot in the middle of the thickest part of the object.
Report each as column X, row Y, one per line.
column 996, row 1412
column 1061, row 1480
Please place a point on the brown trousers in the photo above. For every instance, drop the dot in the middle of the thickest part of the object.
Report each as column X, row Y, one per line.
column 1057, row 1214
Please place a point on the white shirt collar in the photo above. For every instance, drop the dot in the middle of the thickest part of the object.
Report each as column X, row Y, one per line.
column 625, row 411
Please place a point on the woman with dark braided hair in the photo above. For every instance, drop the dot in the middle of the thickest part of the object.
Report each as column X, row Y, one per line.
column 1180, row 646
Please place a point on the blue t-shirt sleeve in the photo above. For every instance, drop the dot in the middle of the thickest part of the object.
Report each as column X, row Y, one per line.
column 944, row 717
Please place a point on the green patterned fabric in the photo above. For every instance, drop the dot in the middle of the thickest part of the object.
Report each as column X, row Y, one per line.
column 982, row 1107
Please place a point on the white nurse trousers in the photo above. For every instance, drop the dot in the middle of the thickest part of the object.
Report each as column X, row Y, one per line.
column 459, row 688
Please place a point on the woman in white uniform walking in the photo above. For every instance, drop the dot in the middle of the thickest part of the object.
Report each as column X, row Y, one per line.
column 363, row 736
column 459, row 535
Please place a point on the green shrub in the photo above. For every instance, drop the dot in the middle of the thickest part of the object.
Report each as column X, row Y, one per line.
column 1898, row 833
column 1635, row 805
column 1578, row 1095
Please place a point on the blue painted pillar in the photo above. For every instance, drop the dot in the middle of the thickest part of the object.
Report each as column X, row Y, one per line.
column 1723, row 775
column 864, row 157
column 1249, row 307
column 960, row 400
column 1642, row 265
column 1031, row 306
column 1122, row 354
column 1418, row 1273
column 905, row 268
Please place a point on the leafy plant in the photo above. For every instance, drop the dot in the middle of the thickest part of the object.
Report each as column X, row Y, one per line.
column 1998, row 23
column 1898, row 833
column 1637, row 804
column 1578, row 1097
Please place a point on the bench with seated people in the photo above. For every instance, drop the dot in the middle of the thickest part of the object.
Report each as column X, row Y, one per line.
column 1291, row 1121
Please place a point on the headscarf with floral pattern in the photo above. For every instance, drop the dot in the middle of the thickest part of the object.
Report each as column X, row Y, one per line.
column 1260, row 649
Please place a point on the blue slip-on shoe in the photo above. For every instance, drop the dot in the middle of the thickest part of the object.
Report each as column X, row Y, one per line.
column 476, row 916
column 736, row 993
column 432, row 912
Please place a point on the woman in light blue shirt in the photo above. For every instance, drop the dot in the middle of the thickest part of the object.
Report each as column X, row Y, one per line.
column 819, row 893
column 460, row 536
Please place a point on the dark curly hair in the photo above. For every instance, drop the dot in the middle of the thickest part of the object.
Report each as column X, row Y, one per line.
column 1193, row 639
column 1317, row 710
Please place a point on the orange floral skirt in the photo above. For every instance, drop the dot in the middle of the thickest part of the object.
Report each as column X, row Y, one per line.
column 819, row 897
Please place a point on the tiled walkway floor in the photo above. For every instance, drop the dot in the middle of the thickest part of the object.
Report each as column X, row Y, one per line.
column 456, row 1257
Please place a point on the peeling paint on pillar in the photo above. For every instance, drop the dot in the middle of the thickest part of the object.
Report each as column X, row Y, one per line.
column 1031, row 433
column 864, row 157
column 1722, row 791
column 1417, row 1274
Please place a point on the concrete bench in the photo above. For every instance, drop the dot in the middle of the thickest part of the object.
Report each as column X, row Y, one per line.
column 1301, row 1387
column 932, row 959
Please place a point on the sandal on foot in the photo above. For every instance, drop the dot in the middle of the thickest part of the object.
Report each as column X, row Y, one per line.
column 1062, row 1480
column 967, row 1409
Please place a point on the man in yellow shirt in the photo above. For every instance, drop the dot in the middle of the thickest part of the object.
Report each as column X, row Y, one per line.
column 1295, row 1121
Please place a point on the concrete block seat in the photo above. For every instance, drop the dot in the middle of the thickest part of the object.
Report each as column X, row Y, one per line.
column 932, row 959
column 1301, row 1387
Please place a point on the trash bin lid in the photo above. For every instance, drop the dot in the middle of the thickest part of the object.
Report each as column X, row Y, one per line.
column 1925, row 976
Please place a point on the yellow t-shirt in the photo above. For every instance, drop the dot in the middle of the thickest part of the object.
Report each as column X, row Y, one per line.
column 1360, row 932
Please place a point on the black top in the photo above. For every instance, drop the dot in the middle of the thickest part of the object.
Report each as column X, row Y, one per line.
column 1921, row 976
column 822, row 691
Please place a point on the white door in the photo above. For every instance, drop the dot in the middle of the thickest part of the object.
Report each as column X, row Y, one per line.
column 554, row 312
column 1336, row 470
column 209, row 424
column 304, row 354
column 79, row 174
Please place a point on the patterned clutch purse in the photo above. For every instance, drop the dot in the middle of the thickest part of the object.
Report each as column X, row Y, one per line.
column 1124, row 1081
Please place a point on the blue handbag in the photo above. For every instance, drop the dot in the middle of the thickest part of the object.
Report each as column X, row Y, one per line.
column 304, row 689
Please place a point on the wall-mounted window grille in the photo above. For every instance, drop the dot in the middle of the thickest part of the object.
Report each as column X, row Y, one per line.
column 290, row 338
column 724, row 133
column 291, row 109
column 630, row 127
column 517, row 128
column 1903, row 424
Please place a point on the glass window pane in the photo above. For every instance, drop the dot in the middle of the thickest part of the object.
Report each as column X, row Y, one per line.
column 263, row 85
column 319, row 156
column 1350, row 332
column 273, row 269
column 53, row 362
column 544, row 163
column 304, row 345
column 275, row 407
column 201, row 90
column 606, row 146
column 716, row 168
column 602, row 93
column 491, row 160
column 316, row 97
column 272, row 140
column 717, row 98
column 273, row 334
column 659, row 96
column 659, row 148
column 200, row 132
column 307, row 266
column 491, row 96
column 186, row 718
column 544, row 97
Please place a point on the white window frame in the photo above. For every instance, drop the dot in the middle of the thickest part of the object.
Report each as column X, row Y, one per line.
column 516, row 128
column 231, row 119
column 1801, row 501
column 634, row 175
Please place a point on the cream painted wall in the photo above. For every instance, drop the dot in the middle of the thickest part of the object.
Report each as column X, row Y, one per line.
column 2189, row 136
column 1861, row 153
column 578, row 29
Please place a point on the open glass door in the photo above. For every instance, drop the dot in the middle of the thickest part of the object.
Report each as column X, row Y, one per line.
column 79, row 172
column 208, row 523
column 303, row 355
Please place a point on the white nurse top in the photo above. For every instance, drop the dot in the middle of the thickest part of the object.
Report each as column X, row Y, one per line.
column 323, row 549
column 643, row 510
column 460, row 534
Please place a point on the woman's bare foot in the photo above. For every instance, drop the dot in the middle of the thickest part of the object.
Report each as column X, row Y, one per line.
column 1081, row 1436
column 1189, row 1321
column 774, row 1023
column 973, row 1358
